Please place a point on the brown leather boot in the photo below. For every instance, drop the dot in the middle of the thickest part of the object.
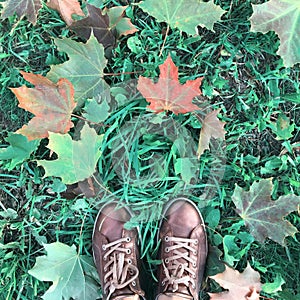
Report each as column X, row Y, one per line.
column 183, row 251
column 116, row 254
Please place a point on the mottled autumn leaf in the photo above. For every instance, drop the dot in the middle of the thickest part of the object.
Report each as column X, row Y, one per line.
column 52, row 105
column 262, row 215
column 27, row 8
column 211, row 127
column 66, row 8
column 98, row 23
column 245, row 285
column 117, row 20
column 168, row 93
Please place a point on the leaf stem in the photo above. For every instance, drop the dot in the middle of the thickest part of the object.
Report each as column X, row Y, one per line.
column 164, row 42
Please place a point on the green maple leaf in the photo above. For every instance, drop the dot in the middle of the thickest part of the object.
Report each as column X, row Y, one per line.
column 18, row 151
column 84, row 68
column 263, row 216
column 95, row 111
column 282, row 16
column 76, row 159
column 73, row 275
column 28, row 8
column 185, row 15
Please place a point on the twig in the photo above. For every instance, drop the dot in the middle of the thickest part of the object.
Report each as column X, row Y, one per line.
column 164, row 42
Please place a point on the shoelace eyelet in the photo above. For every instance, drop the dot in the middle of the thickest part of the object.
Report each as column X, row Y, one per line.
column 195, row 252
column 128, row 251
column 128, row 239
column 103, row 247
column 167, row 249
column 194, row 264
column 166, row 260
column 196, row 242
column 129, row 261
column 166, row 238
column 133, row 283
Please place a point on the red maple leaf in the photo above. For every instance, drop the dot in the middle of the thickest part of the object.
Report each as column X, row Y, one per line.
column 168, row 93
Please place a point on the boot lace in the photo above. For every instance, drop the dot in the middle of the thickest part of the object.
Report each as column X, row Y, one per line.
column 176, row 267
column 119, row 270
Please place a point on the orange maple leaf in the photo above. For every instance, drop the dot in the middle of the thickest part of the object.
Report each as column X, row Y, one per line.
column 52, row 105
column 168, row 93
column 66, row 8
column 245, row 285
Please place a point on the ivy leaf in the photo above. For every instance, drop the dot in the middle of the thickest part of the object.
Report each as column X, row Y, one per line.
column 98, row 23
column 282, row 16
column 245, row 285
column 72, row 274
column 211, row 127
column 168, row 93
column 66, row 8
column 84, row 68
column 75, row 161
column 18, row 151
column 27, row 8
column 122, row 25
column 183, row 15
column 52, row 105
column 263, row 216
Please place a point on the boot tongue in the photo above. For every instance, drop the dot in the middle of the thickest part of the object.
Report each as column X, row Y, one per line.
column 128, row 297
column 174, row 296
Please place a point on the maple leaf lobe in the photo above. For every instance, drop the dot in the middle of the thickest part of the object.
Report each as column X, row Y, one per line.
column 66, row 8
column 168, row 93
column 98, row 23
column 52, row 105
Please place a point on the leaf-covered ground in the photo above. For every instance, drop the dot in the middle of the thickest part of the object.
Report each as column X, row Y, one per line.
column 132, row 139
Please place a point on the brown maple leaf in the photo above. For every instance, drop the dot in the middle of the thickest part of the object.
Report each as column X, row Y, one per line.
column 28, row 8
column 66, row 8
column 52, row 105
column 245, row 285
column 211, row 127
column 98, row 22
column 168, row 93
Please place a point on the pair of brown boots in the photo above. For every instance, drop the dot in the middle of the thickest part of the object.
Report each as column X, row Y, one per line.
column 183, row 252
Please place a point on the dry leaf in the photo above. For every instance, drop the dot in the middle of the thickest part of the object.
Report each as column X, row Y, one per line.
column 240, row 286
column 211, row 127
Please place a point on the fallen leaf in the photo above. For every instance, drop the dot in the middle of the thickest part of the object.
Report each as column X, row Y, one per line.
column 245, row 285
column 211, row 127
column 84, row 68
column 27, row 8
column 168, row 93
column 98, row 23
column 52, row 105
column 66, row 8
column 96, row 111
column 283, row 17
column 263, row 216
column 76, row 161
column 70, row 273
column 18, row 151
column 122, row 25
column 183, row 15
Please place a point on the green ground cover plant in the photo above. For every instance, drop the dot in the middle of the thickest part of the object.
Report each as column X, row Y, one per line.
column 118, row 100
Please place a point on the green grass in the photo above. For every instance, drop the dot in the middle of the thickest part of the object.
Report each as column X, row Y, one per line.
column 242, row 75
